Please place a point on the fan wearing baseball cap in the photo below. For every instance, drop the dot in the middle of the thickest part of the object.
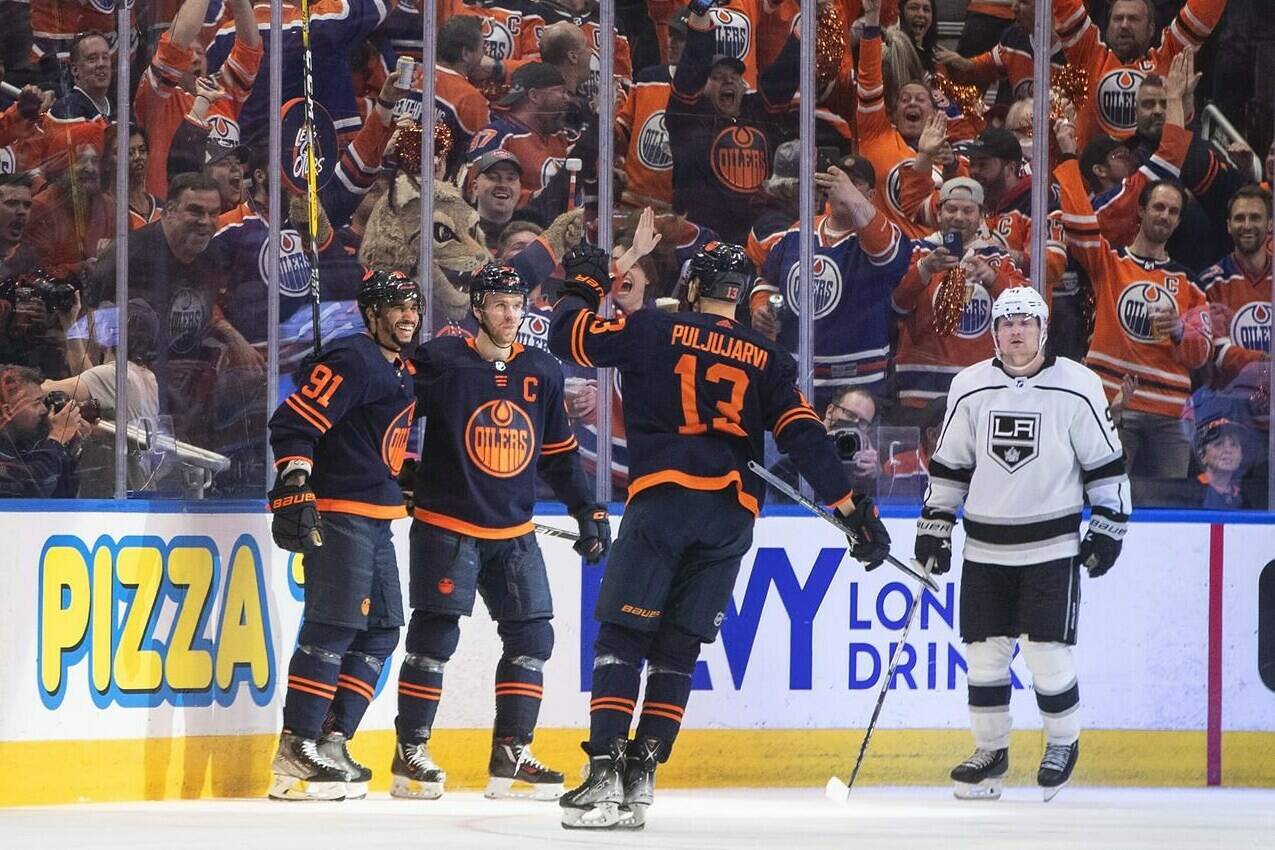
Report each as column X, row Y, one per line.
column 722, row 132
column 530, row 127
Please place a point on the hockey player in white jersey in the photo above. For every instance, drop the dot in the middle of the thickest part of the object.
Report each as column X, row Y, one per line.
column 1026, row 439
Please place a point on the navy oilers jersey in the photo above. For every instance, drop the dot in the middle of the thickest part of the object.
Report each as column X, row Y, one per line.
column 700, row 391
column 490, row 427
column 350, row 419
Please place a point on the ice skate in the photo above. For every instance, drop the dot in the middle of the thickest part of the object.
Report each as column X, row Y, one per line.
column 981, row 776
column 643, row 757
column 301, row 772
column 416, row 777
column 512, row 761
column 333, row 745
column 1056, row 767
column 595, row 804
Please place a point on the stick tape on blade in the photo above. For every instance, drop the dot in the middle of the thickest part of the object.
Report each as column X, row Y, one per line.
column 292, row 117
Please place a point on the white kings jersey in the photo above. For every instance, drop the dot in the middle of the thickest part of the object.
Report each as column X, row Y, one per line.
column 1021, row 455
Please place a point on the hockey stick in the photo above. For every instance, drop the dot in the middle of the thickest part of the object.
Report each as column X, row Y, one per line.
column 836, row 790
column 311, row 173
column 552, row 531
column 782, row 486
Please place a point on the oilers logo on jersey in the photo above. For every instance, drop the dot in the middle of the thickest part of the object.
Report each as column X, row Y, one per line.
column 1251, row 327
column 500, row 438
column 186, row 320
column 1138, row 302
column 1118, row 96
column 1013, row 439
column 733, row 31
column 394, row 441
column 653, row 148
column 826, row 291
column 498, row 38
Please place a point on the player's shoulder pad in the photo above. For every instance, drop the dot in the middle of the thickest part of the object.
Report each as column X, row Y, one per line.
column 1068, row 374
column 352, row 350
column 982, row 374
column 537, row 361
column 437, row 353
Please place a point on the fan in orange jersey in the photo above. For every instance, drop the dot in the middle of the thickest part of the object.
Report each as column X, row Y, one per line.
column 944, row 322
column 508, row 26
column 1239, row 287
column 1117, row 63
column 584, row 14
column 641, row 134
column 996, row 162
column 1011, row 59
column 55, row 24
column 167, row 90
column 1150, row 320
column 886, row 138
column 458, row 103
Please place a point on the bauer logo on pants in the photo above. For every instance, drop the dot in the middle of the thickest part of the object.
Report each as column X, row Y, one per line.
column 1014, row 439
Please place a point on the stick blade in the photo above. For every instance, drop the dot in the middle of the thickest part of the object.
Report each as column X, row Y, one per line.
column 837, row 791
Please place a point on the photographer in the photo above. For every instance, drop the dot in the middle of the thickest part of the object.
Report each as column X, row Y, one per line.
column 848, row 418
column 36, row 311
column 39, row 447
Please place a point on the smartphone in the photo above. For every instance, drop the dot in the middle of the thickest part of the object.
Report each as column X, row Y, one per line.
column 954, row 244
column 826, row 158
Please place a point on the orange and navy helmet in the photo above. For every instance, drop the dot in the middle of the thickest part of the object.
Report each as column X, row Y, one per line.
column 496, row 277
column 723, row 270
column 387, row 289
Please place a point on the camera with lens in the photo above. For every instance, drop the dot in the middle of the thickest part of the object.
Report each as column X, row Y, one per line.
column 848, row 441
column 57, row 294
column 90, row 410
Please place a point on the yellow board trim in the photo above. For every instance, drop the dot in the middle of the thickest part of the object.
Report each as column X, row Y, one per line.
column 50, row 772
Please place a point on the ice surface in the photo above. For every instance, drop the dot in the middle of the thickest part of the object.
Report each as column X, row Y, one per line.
column 709, row 819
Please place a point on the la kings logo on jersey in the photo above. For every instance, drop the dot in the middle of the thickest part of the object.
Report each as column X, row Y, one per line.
column 1013, row 439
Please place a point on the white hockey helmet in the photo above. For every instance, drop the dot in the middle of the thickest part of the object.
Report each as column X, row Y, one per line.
column 1020, row 301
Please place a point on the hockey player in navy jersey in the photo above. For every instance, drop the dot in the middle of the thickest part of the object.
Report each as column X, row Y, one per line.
column 495, row 419
column 700, row 391
column 340, row 441
column 1027, row 440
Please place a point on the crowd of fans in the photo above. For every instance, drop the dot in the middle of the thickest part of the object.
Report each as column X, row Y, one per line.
column 1158, row 267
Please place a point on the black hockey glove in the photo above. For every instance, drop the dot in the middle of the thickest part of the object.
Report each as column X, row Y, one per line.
column 1102, row 543
column 595, row 533
column 588, row 273
column 871, row 542
column 296, row 526
column 934, row 540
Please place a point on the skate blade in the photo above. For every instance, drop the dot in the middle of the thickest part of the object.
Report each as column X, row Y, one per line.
column 356, row 790
column 500, row 788
column 632, row 817
column 837, row 791
column 410, row 789
column 1050, row 793
column 988, row 789
column 598, row 816
column 292, row 789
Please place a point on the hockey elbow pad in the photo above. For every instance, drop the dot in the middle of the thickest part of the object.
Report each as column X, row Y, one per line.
column 296, row 525
column 934, row 540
